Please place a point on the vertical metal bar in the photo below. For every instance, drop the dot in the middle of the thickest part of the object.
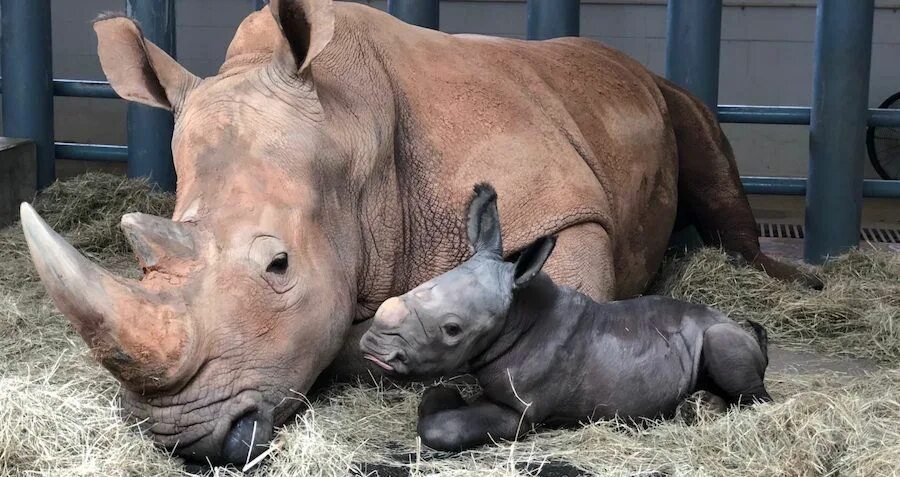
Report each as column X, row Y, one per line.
column 258, row 4
column 694, row 33
column 553, row 19
column 424, row 13
column 837, row 131
column 28, row 79
column 150, row 129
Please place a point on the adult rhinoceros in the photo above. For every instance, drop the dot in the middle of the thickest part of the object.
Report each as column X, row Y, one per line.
column 326, row 167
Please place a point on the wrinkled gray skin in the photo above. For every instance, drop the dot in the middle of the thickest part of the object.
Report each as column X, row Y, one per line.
column 570, row 358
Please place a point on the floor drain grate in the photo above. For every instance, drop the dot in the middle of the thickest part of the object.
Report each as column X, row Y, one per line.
column 795, row 231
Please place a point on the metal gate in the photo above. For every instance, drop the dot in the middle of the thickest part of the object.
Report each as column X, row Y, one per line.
column 837, row 118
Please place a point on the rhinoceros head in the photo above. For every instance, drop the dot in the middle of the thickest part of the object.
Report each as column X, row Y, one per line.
column 249, row 290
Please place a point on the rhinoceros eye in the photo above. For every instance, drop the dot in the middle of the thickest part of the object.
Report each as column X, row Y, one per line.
column 452, row 329
column 278, row 265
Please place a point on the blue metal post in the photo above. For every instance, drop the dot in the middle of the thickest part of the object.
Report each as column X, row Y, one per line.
column 28, row 79
column 424, row 13
column 150, row 129
column 693, row 34
column 553, row 18
column 258, row 4
column 837, row 131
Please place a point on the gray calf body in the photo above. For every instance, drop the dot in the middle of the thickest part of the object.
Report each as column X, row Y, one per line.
column 549, row 355
column 575, row 359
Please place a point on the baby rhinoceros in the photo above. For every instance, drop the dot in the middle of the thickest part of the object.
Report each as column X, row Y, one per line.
column 549, row 355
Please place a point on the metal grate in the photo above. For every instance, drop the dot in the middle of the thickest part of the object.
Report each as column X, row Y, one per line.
column 772, row 230
column 795, row 231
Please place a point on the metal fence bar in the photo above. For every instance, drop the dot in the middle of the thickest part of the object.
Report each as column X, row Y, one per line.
column 763, row 114
column 423, row 13
column 728, row 113
column 884, row 118
column 80, row 88
column 843, row 53
column 798, row 186
column 150, row 129
column 28, row 73
column 694, row 32
column 83, row 89
column 740, row 114
column 553, row 19
column 91, row 152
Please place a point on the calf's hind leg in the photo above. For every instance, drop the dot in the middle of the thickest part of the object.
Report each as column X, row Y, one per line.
column 470, row 426
column 733, row 365
column 700, row 404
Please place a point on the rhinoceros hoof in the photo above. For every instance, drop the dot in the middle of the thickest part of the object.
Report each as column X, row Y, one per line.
column 699, row 407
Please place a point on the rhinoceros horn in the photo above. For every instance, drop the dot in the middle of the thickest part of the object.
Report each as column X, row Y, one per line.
column 156, row 239
column 140, row 336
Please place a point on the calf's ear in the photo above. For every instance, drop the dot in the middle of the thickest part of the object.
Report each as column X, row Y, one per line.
column 531, row 260
column 484, row 221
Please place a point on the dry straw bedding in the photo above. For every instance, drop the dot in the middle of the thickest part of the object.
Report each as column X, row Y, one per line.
column 58, row 411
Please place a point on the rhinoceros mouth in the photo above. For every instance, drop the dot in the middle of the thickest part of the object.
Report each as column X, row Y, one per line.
column 380, row 363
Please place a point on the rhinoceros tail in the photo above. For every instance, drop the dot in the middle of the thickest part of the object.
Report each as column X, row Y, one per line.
column 762, row 337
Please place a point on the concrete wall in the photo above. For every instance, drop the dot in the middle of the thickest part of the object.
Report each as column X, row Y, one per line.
column 767, row 50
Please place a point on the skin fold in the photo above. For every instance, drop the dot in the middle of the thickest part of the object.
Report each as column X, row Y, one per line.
column 326, row 167
column 549, row 355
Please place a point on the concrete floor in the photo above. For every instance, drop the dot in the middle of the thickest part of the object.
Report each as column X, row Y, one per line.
column 799, row 362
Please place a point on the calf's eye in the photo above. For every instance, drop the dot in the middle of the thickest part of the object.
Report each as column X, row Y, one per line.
column 452, row 329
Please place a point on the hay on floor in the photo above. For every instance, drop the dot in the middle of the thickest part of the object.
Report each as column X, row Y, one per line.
column 58, row 411
column 856, row 315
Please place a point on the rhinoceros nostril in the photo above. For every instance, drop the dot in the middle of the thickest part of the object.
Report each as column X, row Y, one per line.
column 247, row 438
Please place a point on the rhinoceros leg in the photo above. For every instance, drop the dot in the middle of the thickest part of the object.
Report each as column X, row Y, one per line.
column 438, row 399
column 733, row 365
column 466, row 427
column 710, row 192
column 698, row 405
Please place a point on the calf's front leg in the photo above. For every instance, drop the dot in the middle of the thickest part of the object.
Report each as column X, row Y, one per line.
column 440, row 398
column 469, row 426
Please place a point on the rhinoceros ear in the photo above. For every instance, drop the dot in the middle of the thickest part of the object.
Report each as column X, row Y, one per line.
column 307, row 25
column 137, row 69
column 531, row 260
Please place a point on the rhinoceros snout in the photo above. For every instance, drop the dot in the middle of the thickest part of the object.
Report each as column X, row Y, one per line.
column 391, row 313
column 248, row 438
